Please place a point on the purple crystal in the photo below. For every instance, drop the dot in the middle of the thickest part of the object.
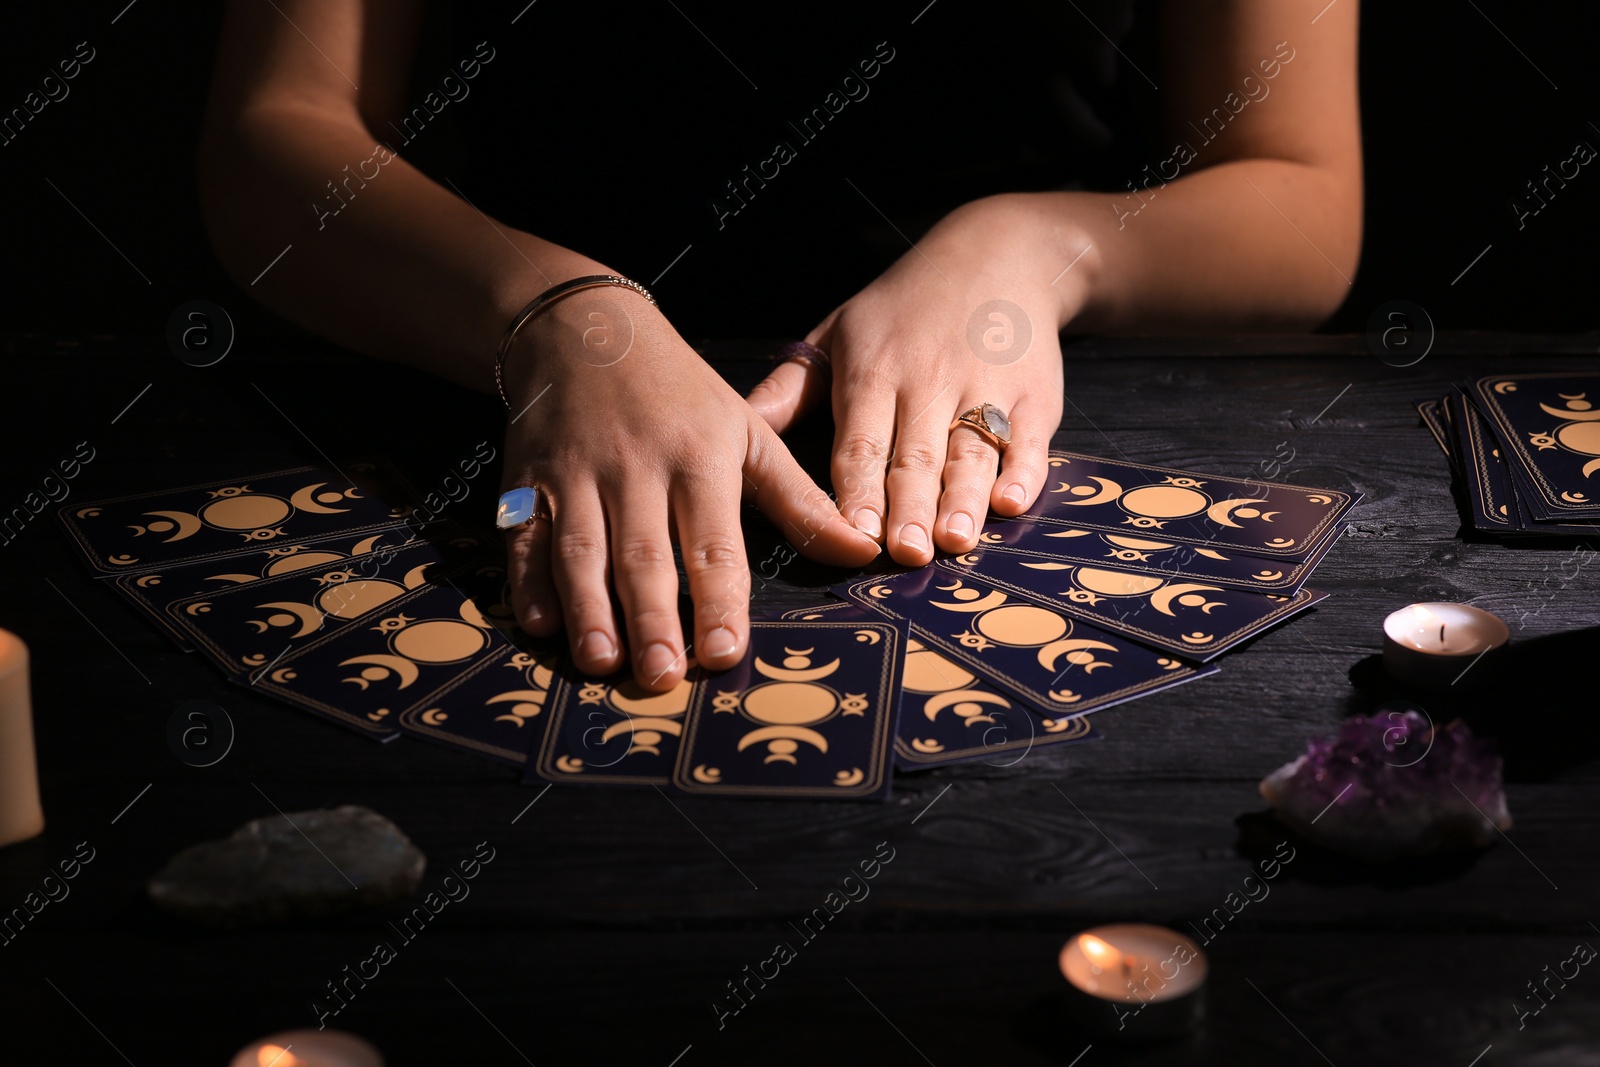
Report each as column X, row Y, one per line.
column 1392, row 785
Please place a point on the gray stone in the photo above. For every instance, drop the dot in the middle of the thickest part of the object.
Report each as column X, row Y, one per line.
column 303, row 865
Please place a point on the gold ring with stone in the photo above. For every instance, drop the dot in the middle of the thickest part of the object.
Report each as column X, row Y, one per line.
column 989, row 422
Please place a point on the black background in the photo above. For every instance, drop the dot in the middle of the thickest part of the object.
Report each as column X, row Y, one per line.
column 1457, row 118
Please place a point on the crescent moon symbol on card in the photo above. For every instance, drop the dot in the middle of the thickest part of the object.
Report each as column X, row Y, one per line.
column 1190, row 595
column 306, row 500
column 310, row 618
column 792, row 733
column 1085, row 659
column 1109, row 490
column 1573, row 416
column 402, row 667
column 992, row 600
column 187, row 524
column 1222, row 511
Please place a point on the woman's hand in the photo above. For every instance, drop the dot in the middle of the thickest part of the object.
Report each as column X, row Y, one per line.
column 634, row 438
column 970, row 315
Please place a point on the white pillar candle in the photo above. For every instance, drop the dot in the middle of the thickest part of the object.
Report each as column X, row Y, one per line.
column 1434, row 645
column 1134, row 981
column 21, row 817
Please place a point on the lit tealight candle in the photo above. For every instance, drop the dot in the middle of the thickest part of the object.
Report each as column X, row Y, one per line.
column 309, row 1048
column 1433, row 645
column 1134, row 981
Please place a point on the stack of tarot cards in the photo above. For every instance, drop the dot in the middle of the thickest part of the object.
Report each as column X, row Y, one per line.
column 324, row 589
column 1526, row 448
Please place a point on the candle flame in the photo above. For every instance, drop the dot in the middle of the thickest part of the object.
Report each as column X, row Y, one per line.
column 273, row 1056
column 1097, row 951
column 1426, row 620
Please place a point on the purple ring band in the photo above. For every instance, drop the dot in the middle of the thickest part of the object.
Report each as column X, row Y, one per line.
column 803, row 352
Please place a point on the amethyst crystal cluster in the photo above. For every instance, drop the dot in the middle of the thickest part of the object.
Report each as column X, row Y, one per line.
column 1393, row 785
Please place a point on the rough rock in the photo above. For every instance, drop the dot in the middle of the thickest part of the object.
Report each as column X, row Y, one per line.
column 301, row 865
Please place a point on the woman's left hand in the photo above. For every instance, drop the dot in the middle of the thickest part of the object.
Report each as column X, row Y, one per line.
column 969, row 316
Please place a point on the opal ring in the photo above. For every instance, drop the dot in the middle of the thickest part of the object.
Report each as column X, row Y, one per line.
column 989, row 422
column 522, row 506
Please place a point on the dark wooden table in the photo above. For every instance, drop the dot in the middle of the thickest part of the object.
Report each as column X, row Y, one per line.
column 611, row 920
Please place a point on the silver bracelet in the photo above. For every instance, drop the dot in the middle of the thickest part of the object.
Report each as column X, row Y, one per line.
column 550, row 296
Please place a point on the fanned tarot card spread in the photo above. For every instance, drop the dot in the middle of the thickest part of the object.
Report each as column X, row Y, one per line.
column 499, row 708
column 1259, row 518
column 809, row 712
column 366, row 674
column 1549, row 424
column 1197, row 620
column 948, row 714
column 1029, row 653
column 254, row 623
column 612, row 731
column 152, row 591
column 1151, row 556
column 240, row 515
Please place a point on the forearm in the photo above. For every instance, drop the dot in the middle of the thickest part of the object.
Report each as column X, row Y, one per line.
column 386, row 261
column 1248, row 245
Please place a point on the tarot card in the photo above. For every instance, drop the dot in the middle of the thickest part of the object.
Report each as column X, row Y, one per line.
column 498, row 708
column 152, row 591
column 1549, row 425
column 1433, row 419
column 1258, row 518
column 365, row 674
column 1197, row 620
column 252, row 625
column 809, row 712
column 1483, row 468
column 204, row 522
column 1029, row 653
column 948, row 714
column 1149, row 556
column 612, row 731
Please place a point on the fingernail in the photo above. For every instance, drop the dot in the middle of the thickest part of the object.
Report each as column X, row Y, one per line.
column 718, row 643
column 656, row 660
column 533, row 616
column 868, row 522
column 596, row 647
column 914, row 537
column 959, row 525
column 1016, row 494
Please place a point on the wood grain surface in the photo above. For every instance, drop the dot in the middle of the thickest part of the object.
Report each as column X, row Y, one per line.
column 611, row 920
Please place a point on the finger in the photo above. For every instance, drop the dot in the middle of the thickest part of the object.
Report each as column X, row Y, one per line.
column 788, row 496
column 1024, row 466
column 921, row 438
column 970, row 465
column 647, row 581
column 794, row 387
column 864, row 433
column 533, row 590
column 707, row 511
column 578, row 564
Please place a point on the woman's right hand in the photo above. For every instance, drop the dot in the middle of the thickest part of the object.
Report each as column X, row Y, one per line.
column 635, row 438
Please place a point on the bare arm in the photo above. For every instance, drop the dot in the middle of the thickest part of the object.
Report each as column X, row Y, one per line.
column 1251, row 221
column 1261, row 228
column 631, row 448
column 384, row 260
